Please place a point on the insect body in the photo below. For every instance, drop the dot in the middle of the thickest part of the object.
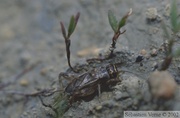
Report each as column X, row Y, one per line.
column 87, row 83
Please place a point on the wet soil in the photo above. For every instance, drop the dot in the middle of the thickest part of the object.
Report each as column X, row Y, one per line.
column 30, row 33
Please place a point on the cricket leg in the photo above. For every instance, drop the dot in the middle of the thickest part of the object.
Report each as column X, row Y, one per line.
column 48, row 105
column 100, row 59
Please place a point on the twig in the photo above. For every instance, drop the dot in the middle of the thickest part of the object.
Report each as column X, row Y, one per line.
column 18, row 76
column 44, row 92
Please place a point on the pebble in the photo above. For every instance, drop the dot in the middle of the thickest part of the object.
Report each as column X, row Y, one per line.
column 24, row 82
column 119, row 95
column 25, row 58
column 153, row 30
column 162, row 84
column 45, row 70
column 139, row 58
column 98, row 108
column 154, row 52
column 7, row 32
column 151, row 13
column 135, row 86
column 143, row 52
column 110, row 104
column 154, row 66
column 167, row 10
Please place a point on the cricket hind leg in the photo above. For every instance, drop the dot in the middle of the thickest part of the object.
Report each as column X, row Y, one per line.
column 100, row 59
column 48, row 105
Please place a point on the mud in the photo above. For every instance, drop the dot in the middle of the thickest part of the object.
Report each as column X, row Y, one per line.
column 30, row 33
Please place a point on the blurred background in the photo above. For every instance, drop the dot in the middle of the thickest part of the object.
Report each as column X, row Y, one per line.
column 30, row 32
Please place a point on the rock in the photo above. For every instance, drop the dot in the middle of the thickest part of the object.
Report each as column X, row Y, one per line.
column 119, row 95
column 7, row 32
column 154, row 52
column 154, row 66
column 162, row 84
column 143, row 52
column 24, row 82
column 45, row 70
column 167, row 10
column 98, row 108
column 151, row 13
column 135, row 86
column 110, row 104
column 139, row 58
column 25, row 58
column 153, row 30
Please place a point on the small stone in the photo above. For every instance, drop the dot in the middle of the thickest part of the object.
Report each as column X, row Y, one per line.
column 154, row 66
column 98, row 108
column 143, row 52
column 135, row 86
column 120, row 96
column 153, row 30
column 110, row 104
column 24, row 82
column 162, row 84
column 167, row 10
column 151, row 13
column 7, row 32
column 154, row 52
column 25, row 58
column 45, row 70
column 139, row 58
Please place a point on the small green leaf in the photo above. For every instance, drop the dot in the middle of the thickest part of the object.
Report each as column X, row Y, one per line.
column 112, row 21
column 72, row 26
column 63, row 30
column 173, row 16
column 122, row 22
column 77, row 17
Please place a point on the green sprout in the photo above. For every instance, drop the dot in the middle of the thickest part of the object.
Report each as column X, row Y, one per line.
column 71, row 28
column 173, row 15
column 175, row 26
column 116, row 26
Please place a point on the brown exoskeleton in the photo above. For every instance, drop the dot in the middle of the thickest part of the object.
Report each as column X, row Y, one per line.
column 84, row 85
column 89, row 82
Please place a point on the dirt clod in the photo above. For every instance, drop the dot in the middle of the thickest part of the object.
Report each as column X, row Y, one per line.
column 151, row 13
column 154, row 52
column 143, row 52
column 162, row 84
column 24, row 82
column 98, row 108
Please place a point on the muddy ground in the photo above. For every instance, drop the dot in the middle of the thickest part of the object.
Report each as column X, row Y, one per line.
column 30, row 33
